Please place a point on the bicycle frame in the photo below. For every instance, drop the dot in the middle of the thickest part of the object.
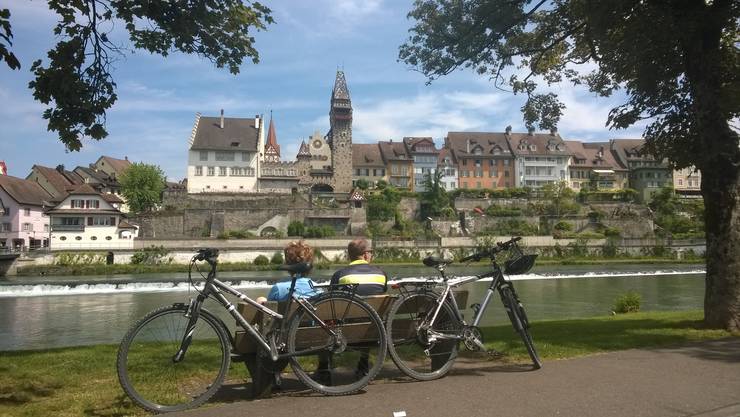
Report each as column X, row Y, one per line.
column 447, row 296
column 214, row 287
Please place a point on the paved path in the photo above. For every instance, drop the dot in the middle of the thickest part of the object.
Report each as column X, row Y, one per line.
column 699, row 379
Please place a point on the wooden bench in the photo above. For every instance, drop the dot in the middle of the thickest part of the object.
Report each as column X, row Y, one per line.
column 246, row 349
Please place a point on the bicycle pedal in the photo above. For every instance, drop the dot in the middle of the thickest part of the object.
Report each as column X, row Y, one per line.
column 426, row 352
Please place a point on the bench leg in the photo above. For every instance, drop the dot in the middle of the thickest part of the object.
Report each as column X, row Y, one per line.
column 260, row 370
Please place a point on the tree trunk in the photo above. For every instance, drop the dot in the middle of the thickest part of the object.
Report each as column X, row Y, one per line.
column 722, row 212
column 719, row 163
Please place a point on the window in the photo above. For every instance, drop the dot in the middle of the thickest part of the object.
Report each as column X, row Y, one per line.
column 63, row 238
column 224, row 156
column 198, row 171
column 221, row 171
column 225, row 187
column 357, row 172
column 101, row 221
column 211, row 171
column 27, row 227
column 93, row 238
column 680, row 182
column 245, row 157
column 78, row 237
column 46, row 227
column 92, row 204
column 27, row 211
column 6, row 227
column 108, row 238
column 477, row 184
column 203, row 155
column 78, row 203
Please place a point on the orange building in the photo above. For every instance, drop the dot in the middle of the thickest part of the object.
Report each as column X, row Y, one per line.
column 484, row 160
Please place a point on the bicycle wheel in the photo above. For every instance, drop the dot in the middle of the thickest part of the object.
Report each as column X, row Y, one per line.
column 519, row 321
column 345, row 364
column 151, row 378
column 413, row 350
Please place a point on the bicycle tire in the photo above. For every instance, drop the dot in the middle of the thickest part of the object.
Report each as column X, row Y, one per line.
column 340, row 369
column 408, row 347
column 520, row 322
column 152, row 342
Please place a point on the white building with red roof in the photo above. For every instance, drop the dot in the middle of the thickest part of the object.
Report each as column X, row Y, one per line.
column 87, row 219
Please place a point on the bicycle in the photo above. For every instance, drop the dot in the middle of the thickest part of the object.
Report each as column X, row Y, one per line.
column 177, row 357
column 425, row 326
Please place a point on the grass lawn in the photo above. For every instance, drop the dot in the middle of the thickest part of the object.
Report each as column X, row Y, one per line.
column 83, row 381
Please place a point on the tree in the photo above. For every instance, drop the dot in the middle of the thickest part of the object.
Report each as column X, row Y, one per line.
column 677, row 62
column 362, row 184
column 142, row 185
column 434, row 198
column 77, row 81
column 561, row 198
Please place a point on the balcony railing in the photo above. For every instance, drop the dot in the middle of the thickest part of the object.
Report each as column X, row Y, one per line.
column 67, row 228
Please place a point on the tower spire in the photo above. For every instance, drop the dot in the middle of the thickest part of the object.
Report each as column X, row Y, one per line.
column 272, row 149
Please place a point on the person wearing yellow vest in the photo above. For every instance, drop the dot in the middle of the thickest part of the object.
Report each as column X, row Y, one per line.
column 372, row 279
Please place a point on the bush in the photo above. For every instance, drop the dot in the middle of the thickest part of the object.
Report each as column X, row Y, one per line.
column 261, row 260
column 563, row 226
column 277, row 258
column 610, row 249
column 153, row 255
column 235, row 234
column 628, row 302
column 498, row 211
column 79, row 258
column 296, row 228
column 320, row 231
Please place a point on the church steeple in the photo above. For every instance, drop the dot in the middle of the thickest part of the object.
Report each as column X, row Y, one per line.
column 272, row 149
column 340, row 135
column 341, row 104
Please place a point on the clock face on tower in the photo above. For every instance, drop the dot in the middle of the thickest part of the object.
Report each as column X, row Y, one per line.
column 317, row 143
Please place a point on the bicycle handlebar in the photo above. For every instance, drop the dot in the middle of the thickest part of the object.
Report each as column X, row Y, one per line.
column 207, row 254
column 490, row 253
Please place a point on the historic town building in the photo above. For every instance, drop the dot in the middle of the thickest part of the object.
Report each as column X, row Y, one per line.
column 594, row 167
column 540, row 158
column 425, row 155
column 23, row 224
column 85, row 219
column 647, row 174
column 484, row 159
column 367, row 163
column 398, row 164
column 223, row 154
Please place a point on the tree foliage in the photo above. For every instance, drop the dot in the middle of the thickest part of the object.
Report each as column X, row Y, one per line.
column 677, row 62
column 142, row 185
column 76, row 80
column 434, row 199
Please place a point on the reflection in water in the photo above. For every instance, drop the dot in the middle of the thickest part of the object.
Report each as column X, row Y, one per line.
column 83, row 319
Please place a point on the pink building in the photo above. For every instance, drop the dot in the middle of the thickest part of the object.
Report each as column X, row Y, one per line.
column 23, row 224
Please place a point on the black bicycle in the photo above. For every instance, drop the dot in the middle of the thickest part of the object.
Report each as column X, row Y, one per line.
column 177, row 357
column 425, row 325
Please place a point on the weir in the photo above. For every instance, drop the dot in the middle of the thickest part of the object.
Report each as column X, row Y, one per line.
column 8, row 263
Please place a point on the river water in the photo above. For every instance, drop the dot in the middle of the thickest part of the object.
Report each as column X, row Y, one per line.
column 46, row 312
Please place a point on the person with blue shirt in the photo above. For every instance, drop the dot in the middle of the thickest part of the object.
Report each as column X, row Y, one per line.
column 295, row 252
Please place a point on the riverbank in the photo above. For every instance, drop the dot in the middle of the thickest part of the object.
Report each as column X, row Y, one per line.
column 119, row 269
column 82, row 380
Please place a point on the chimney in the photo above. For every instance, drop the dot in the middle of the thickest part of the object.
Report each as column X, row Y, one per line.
column 60, row 168
column 508, row 130
column 553, row 131
column 222, row 118
column 530, row 131
column 125, row 158
column 257, row 121
column 467, row 146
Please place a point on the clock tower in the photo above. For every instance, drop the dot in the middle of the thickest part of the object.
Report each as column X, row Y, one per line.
column 340, row 135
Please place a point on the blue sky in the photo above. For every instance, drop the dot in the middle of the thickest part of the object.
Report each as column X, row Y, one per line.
column 300, row 53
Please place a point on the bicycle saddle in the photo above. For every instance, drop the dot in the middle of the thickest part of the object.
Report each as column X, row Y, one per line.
column 435, row 260
column 299, row 268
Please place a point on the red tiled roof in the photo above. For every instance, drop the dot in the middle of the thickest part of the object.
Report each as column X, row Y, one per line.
column 118, row 165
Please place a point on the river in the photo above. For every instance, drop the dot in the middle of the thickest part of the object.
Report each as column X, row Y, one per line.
column 46, row 312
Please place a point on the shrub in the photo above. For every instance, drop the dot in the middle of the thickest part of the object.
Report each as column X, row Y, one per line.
column 296, row 228
column 498, row 211
column 610, row 249
column 628, row 302
column 277, row 258
column 261, row 260
column 320, row 231
column 153, row 255
column 563, row 226
column 79, row 258
column 235, row 234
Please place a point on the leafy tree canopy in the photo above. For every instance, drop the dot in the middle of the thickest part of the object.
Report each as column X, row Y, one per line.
column 142, row 185
column 661, row 54
column 76, row 80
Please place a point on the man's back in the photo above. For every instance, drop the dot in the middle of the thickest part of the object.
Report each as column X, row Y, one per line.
column 372, row 279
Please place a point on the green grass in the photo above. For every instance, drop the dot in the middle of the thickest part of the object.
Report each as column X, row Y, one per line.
column 83, row 381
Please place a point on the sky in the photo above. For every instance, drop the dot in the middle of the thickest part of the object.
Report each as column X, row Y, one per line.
column 299, row 56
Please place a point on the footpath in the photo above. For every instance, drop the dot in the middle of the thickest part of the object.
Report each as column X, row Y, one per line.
column 698, row 379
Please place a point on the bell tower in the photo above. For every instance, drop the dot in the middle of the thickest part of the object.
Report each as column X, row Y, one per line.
column 340, row 135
